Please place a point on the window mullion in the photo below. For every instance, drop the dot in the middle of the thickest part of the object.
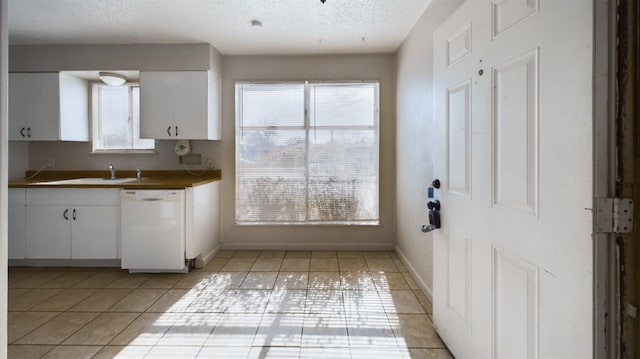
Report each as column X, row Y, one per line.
column 240, row 96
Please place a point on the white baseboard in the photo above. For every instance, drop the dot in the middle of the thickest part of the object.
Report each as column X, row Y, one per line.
column 209, row 256
column 418, row 278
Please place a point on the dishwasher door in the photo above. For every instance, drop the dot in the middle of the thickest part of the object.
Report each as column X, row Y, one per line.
column 153, row 230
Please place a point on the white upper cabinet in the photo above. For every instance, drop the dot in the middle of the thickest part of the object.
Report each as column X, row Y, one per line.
column 180, row 105
column 48, row 106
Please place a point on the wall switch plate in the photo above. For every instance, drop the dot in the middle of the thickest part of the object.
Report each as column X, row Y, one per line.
column 51, row 163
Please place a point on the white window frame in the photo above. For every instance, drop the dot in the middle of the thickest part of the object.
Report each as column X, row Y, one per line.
column 308, row 127
column 96, row 123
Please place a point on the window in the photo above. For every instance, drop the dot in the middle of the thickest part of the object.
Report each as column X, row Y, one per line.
column 116, row 119
column 307, row 153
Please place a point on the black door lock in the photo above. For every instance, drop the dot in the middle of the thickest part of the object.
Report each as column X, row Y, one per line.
column 434, row 216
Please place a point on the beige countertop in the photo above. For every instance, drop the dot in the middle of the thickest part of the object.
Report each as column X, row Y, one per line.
column 150, row 179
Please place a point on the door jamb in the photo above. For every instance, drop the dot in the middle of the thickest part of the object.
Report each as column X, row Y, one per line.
column 605, row 340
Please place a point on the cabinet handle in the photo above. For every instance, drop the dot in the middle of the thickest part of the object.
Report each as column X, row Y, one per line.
column 74, row 214
column 176, row 130
column 29, row 132
column 169, row 130
column 22, row 132
column 65, row 215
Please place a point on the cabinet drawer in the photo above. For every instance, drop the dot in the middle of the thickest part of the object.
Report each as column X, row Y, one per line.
column 73, row 196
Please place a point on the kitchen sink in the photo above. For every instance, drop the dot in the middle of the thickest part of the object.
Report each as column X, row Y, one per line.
column 90, row 181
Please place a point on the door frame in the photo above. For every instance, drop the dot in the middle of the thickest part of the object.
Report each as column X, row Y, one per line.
column 4, row 172
column 606, row 312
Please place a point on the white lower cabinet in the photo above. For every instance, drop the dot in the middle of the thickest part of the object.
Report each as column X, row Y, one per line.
column 72, row 223
column 48, row 232
column 85, row 223
column 94, row 232
column 17, row 216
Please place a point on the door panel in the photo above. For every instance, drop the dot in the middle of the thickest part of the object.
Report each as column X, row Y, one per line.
column 513, row 92
column 459, row 44
column 459, row 296
column 515, row 134
column 516, row 307
column 509, row 13
column 459, row 146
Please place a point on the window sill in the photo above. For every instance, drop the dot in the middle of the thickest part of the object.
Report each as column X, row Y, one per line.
column 124, row 152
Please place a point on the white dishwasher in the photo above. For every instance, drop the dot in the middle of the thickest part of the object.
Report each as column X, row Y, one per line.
column 153, row 230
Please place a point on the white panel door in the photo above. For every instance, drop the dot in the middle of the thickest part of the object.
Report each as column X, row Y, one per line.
column 513, row 259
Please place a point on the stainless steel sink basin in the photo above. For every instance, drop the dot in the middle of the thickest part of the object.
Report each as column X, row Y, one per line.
column 90, row 181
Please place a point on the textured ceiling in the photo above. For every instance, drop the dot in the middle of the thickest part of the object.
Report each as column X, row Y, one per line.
column 289, row 26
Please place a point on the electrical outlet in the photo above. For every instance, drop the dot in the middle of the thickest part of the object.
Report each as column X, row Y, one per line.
column 51, row 163
column 211, row 163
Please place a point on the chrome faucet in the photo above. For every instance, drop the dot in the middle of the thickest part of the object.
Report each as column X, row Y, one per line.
column 113, row 171
column 139, row 174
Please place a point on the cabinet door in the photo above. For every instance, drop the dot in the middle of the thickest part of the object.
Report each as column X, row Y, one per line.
column 39, row 110
column 94, row 232
column 17, row 223
column 190, row 100
column 74, row 108
column 215, row 107
column 17, row 231
column 18, row 93
column 43, row 109
column 48, row 232
column 156, row 105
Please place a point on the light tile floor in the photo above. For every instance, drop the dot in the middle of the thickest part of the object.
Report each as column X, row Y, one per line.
column 243, row 304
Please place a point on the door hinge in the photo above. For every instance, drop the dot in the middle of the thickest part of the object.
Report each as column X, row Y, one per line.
column 614, row 215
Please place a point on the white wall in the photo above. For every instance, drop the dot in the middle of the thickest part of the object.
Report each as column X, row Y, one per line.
column 278, row 68
column 414, row 128
column 77, row 156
